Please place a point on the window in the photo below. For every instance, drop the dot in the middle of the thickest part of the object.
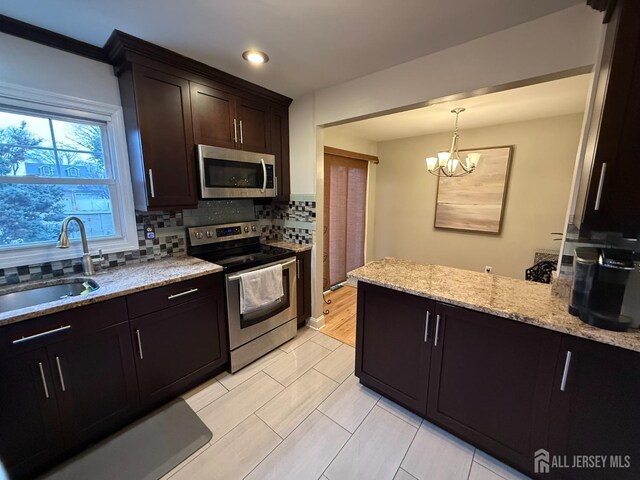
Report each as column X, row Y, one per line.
column 60, row 158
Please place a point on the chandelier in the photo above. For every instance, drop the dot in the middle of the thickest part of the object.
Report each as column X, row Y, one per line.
column 449, row 164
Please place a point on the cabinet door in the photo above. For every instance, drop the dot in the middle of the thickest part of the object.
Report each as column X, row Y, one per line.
column 177, row 346
column 393, row 338
column 253, row 124
column 94, row 377
column 491, row 382
column 613, row 201
column 280, row 148
column 30, row 431
column 213, row 117
column 595, row 410
column 166, row 134
column 304, row 286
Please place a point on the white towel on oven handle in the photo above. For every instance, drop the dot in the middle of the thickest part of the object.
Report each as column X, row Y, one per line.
column 260, row 287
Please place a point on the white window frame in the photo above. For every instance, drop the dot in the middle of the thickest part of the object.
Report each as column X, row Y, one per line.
column 54, row 104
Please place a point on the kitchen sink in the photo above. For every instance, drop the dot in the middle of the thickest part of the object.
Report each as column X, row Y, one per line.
column 32, row 294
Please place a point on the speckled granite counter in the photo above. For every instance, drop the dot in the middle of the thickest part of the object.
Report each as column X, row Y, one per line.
column 296, row 247
column 114, row 282
column 526, row 302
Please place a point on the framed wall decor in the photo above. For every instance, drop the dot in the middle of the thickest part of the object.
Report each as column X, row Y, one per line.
column 475, row 203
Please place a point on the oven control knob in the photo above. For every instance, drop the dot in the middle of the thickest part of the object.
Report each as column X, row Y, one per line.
column 253, row 228
column 209, row 234
column 246, row 229
column 198, row 235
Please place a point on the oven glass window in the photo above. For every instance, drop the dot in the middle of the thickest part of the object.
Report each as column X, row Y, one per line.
column 260, row 315
column 232, row 174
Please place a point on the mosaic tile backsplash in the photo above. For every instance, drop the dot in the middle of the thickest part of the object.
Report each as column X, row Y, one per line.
column 293, row 222
column 170, row 240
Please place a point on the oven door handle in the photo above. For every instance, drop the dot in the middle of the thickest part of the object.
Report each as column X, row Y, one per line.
column 264, row 176
column 286, row 264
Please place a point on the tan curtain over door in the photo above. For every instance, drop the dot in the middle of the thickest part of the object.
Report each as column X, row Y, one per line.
column 345, row 194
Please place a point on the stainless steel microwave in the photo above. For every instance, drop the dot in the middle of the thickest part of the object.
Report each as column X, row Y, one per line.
column 229, row 173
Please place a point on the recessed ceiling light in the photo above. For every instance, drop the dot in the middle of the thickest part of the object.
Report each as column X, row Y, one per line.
column 255, row 56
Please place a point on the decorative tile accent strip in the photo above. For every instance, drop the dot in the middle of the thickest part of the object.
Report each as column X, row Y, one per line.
column 170, row 241
column 298, row 235
column 288, row 222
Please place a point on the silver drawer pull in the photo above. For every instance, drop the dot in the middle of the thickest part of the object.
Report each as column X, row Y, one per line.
column 426, row 326
column 151, row 185
column 565, row 373
column 41, row 334
column 139, row 344
column 603, row 172
column 64, row 389
column 235, row 131
column 44, row 380
column 435, row 337
column 241, row 133
column 182, row 294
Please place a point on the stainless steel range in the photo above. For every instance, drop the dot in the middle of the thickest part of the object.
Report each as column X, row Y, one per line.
column 237, row 248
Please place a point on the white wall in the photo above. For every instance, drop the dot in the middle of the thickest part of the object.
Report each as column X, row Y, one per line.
column 538, row 191
column 562, row 41
column 33, row 65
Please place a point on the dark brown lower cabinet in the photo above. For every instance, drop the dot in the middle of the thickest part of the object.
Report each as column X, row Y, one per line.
column 490, row 382
column 303, row 286
column 178, row 346
column 30, row 430
column 95, row 381
column 393, row 335
column 596, row 410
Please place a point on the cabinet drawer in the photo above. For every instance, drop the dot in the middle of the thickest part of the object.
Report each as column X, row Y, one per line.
column 29, row 334
column 160, row 298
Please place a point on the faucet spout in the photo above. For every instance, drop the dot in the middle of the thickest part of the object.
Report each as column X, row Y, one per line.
column 63, row 242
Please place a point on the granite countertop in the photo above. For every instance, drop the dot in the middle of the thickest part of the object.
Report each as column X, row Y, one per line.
column 114, row 282
column 526, row 302
column 296, row 247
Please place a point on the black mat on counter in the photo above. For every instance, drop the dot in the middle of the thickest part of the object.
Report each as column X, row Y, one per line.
column 146, row 449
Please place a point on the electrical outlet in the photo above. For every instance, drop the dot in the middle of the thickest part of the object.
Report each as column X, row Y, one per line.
column 488, row 268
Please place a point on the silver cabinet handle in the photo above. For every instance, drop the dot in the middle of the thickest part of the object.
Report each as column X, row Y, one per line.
column 603, row 172
column 565, row 373
column 151, row 186
column 275, row 182
column 42, row 334
column 139, row 345
column 182, row 294
column 44, row 380
column 264, row 176
column 64, row 388
column 298, row 269
column 435, row 337
column 235, row 131
column 241, row 133
column 426, row 326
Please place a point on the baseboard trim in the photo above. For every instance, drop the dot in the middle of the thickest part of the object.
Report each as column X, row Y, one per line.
column 316, row 323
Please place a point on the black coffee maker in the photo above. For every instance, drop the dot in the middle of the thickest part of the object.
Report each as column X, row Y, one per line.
column 599, row 282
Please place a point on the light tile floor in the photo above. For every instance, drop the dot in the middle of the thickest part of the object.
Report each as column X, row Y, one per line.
column 300, row 413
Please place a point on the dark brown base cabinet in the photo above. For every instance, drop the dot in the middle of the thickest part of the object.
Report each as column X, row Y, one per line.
column 85, row 378
column 498, row 383
column 303, row 272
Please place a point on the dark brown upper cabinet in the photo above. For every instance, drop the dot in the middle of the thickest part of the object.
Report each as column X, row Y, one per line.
column 157, row 114
column 171, row 103
column 612, row 199
column 224, row 120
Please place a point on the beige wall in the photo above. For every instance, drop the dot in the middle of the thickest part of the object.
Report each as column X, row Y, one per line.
column 334, row 138
column 537, row 196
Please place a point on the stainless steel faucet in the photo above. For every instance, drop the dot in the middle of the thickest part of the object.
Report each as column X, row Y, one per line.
column 63, row 242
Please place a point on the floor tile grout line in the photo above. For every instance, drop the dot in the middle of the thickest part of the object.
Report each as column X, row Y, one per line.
column 267, row 455
column 396, row 415
column 256, row 373
column 492, row 470
column 408, row 448
column 345, row 443
column 281, row 384
column 471, row 463
column 187, row 461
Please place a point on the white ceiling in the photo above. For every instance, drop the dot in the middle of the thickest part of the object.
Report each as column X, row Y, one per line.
column 312, row 43
column 549, row 99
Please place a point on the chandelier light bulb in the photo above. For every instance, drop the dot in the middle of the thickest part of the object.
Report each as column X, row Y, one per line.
column 432, row 163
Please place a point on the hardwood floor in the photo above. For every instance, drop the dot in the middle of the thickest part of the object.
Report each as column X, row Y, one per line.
column 340, row 322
